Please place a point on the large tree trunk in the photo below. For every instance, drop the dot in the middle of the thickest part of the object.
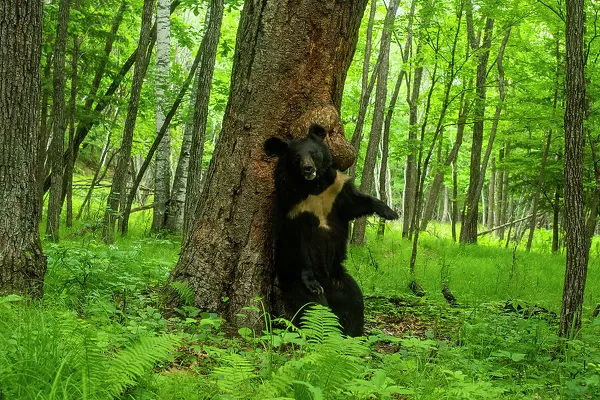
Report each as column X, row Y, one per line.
column 205, row 76
column 289, row 70
column 367, row 177
column 576, row 237
column 117, row 196
column 162, row 172
column 22, row 261
column 60, row 121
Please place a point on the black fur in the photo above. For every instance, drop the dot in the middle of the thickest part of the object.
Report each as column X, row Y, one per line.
column 311, row 237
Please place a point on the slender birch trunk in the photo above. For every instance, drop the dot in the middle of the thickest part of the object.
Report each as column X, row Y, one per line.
column 162, row 171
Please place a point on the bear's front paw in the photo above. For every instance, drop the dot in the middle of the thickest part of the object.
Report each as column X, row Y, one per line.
column 315, row 287
column 388, row 213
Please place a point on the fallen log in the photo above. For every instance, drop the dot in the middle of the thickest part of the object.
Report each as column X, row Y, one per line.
column 504, row 225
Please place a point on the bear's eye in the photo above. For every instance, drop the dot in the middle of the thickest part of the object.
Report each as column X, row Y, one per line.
column 313, row 153
column 297, row 157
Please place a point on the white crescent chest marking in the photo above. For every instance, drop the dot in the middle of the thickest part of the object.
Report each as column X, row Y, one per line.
column 321, row 204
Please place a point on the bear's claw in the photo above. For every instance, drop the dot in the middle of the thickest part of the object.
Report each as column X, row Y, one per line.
column 388, row 213
column 315, row 287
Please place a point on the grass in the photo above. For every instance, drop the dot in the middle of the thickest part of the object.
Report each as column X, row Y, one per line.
column 101, row 331
column 476, row 273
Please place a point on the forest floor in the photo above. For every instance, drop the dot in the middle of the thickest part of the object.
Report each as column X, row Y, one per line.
column 102, row 332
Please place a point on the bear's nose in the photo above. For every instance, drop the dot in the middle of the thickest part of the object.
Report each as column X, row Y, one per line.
column 308, row 169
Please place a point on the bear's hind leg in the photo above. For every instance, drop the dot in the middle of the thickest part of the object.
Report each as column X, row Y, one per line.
column 346, row 301
column 296, row 300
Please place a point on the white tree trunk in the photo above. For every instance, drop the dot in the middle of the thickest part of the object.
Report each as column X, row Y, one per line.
column 174, row 221
column 162, row 176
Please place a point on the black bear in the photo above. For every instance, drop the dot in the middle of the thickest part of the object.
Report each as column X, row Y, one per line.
column 314, row 206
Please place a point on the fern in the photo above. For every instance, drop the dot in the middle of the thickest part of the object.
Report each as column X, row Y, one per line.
column 131, row 363
column 331, row 361
column 319, row 324
column 185, row 292
column 50, row 355
column 236, row 377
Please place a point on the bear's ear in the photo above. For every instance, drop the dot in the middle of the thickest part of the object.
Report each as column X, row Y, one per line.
column 275, row 147
column 317, row 131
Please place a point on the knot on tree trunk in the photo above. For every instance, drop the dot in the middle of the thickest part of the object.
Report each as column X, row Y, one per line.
column 327, row 116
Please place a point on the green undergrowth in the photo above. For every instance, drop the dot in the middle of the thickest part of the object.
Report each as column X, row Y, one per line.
column 475, row 273
column 101, row 331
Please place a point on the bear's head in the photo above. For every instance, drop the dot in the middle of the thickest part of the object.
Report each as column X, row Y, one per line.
column 308, row 157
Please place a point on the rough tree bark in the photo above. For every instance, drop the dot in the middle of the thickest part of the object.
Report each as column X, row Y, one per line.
column 162, row 171
column 205, row 76
column 22, row 261
column 576, row 237
column 60, row 121
column 366, row 180
column 117, row 195
column 289, row 70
